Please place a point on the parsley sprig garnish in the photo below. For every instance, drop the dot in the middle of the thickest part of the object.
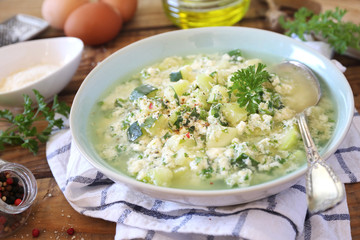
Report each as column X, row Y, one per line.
column 327, row 25
column 247, row 86
column 22, row 130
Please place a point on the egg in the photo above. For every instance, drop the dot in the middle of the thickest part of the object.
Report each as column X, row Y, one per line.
column 55, row 12
column 127, row 8
column 94, row 23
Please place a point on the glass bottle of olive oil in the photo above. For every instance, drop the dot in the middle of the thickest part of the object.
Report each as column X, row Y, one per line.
column 205, row 13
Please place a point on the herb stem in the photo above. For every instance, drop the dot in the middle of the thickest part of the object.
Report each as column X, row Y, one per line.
column 328, row 26
column 22, row 130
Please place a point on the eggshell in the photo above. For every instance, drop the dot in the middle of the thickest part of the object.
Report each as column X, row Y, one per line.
column 55, row 12
column 94, row 23
column 127, row 8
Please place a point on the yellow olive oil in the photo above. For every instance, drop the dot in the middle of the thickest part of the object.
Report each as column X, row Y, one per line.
column 205, row 13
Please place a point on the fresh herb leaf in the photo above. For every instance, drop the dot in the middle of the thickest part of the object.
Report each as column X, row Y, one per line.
column 125, row 124
column 213, row 74
column 281, row 160
column 247, row 86
column 207, row 172
column 225, row 130
column 175, row 76
column 215, row 111
column 119, row 102
column 239, row 162
column 191, row 129
column 276, row 101
column 235, row 53
column 22, row 130
column 120, row 148
column 167, row 135
column 178, row 121
column 194, row 113
column 273, row 103
column 327, row 25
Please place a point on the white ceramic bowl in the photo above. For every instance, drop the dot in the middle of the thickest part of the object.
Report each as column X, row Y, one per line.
column 254, row 43
column 63, row 51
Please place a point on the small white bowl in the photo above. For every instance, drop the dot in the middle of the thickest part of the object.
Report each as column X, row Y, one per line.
column 62, row 51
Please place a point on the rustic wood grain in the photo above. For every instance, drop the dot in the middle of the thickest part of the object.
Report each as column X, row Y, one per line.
column 353, row 8
column 51, row 213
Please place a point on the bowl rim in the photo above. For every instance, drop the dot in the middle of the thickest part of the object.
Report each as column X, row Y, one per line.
column 203, row 193
column 70, row 41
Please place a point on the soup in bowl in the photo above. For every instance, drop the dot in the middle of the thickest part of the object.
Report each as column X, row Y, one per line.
column 198, row 116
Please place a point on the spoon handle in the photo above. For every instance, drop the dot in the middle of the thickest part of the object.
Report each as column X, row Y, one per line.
column 311, row 150
column 323, row 188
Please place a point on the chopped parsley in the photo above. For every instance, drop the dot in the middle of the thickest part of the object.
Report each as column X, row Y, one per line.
column 167, row 135
column 119, row 102
column 239, row 162
column 178, row 121
column 247, row 86
column 207, row 172
column 235, row 52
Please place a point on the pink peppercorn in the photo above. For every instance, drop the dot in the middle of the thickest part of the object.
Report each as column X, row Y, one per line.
column 17, row 202
column 70, row 231
column 35, row 232
column 9, row 181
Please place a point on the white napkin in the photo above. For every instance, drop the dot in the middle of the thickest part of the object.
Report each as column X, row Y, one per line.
column 281, row 216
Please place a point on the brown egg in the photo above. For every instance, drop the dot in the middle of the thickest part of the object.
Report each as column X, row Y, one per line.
column 55, row 12
column 127, row 8
column 94, row 23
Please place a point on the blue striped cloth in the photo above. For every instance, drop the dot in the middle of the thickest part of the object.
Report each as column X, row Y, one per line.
column 281, row 216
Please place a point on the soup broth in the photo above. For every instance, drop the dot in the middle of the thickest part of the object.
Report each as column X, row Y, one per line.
column 303, row 92
column 183, row 123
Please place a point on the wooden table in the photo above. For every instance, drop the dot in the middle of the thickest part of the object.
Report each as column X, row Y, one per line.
column 51, row 213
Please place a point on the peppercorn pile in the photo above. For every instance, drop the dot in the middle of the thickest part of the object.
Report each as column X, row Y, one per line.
column 11, row 192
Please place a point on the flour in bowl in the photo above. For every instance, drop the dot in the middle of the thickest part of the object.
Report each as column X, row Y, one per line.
column 27, row 76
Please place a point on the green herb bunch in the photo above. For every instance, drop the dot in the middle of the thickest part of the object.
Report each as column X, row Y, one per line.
column 328, row 25
column 22, row 130
column 247, row 86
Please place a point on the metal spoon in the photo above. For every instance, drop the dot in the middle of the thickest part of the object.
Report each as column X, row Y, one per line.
column 323, row 188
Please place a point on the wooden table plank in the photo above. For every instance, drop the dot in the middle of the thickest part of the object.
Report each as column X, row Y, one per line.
column 53, row 215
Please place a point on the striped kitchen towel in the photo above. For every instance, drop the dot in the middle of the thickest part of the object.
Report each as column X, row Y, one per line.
column 281, row 216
